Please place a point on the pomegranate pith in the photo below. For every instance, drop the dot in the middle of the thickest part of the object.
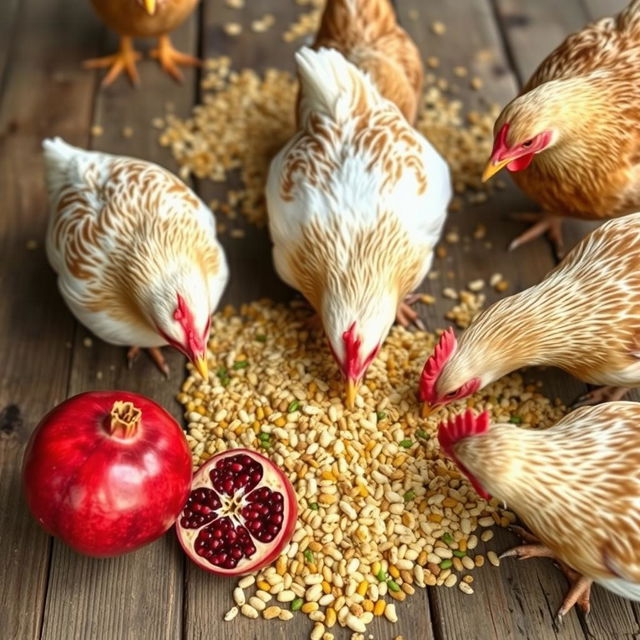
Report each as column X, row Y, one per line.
column 240, row 514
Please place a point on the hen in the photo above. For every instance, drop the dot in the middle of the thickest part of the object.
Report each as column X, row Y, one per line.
column 572, row 137
column 575, row 485
column 356, row 200
column 583, row 317
column 367, row 34
column 142, row 19
column 135, row 251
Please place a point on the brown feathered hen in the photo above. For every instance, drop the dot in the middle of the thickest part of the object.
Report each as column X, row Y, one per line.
column 575, row 485
column 571, row 139
column 142, row 19
column 367, row 34
column 583, row 317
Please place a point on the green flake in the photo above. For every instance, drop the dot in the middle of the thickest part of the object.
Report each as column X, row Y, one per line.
column 406, row 443
column 293, row 406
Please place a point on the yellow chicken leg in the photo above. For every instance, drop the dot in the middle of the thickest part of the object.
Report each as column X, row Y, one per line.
column 156, row 356
column 170, row 58
column 124, row 60
column 580, row 589
column 543, row 222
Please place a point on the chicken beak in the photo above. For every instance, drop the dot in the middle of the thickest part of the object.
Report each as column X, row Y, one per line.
column 351, row 392
column 150, row 6
column 200, row 364
column 492, row 168
column 426, row 410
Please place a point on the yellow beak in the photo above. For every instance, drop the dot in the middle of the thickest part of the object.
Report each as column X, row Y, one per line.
column 426, row 410
column 491, row 169
column 351, row 392
column 150, row 6
column 201, row 367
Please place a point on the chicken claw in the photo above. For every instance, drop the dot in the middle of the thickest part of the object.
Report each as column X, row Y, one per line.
column 124, row 60
column 405, row 315
column 169, row 58
column 580, row 589
column 156, row 356
column 599, row 395
column 543, row 222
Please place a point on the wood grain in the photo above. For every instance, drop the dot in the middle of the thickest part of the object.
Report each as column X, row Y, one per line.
column 35, row 327
column 139, row 595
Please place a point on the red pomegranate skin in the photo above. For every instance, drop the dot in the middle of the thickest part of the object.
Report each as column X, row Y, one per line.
column 105, row 495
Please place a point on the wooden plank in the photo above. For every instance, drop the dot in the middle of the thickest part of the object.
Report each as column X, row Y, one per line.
column 138, row 595
column 36, row 330
column 509, row 602
column 532, row 30
column 8, row 18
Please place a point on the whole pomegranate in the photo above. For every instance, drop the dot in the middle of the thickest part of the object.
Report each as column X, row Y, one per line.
column 107, row 472
column 240, row 515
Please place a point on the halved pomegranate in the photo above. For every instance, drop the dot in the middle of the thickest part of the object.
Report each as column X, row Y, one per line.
column 240, row 514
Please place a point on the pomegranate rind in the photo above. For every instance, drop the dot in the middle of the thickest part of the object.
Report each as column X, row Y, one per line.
column 100, row 495
column 186, row 536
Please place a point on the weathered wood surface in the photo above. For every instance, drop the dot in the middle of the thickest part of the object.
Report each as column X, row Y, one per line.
column 49, row 592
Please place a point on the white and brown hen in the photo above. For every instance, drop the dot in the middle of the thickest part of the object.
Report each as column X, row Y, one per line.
column 583, row 317
column 356, row 199
column 575, row 485
column 571, row 139
column 135, row 251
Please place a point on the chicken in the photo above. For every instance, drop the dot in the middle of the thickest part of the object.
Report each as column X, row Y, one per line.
column 575, row 485
column 583, row 317
column 367, row 34
column 571, row 139
column 356, row 201
column 142, row 19
column 135, row 251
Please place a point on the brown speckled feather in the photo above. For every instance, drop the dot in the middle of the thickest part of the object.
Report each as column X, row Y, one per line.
column 587, row 89
column 366, row 32
column 576, row 485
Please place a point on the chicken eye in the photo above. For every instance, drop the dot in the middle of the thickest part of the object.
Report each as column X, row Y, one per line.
column 451, row 394
column 527, row 143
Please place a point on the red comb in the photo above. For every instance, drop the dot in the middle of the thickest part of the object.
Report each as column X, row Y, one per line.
column 183, row 316
column 462, row 426
column 433, row 365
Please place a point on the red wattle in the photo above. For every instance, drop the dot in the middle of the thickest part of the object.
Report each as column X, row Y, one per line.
column 520, row 163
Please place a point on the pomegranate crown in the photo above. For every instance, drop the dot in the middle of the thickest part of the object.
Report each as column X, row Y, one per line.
column 434, row 364
column 462, row 426
column 183, row 316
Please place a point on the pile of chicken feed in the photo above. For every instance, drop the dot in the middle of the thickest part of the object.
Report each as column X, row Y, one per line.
column 381, row 511
column 245, row 118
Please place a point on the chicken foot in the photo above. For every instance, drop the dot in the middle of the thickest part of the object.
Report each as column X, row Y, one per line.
column 580, row 589
column 405, row 315
column 156, row 356
column 170, row 58
column 543, row 222
column 601, row 394
column 124, row 60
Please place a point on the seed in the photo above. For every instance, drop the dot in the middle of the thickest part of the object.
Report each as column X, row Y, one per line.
column 493, row 558
column 465, row 588
column 486, row 535
column 296, row 604
column 379, row 607
column 354, row 624
column 308, row 607
column 263, row 595
column 317, row 631
column 390, row 613
column 451, row 580
column 438, row 27
column 330, row 617
column 248, row 611
column 231, row 614
column 238, row 596
column 271, row 612
column 285, row 615
column 468, row 563
column 246, row 582
column 286, row 596
column 257, row 603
